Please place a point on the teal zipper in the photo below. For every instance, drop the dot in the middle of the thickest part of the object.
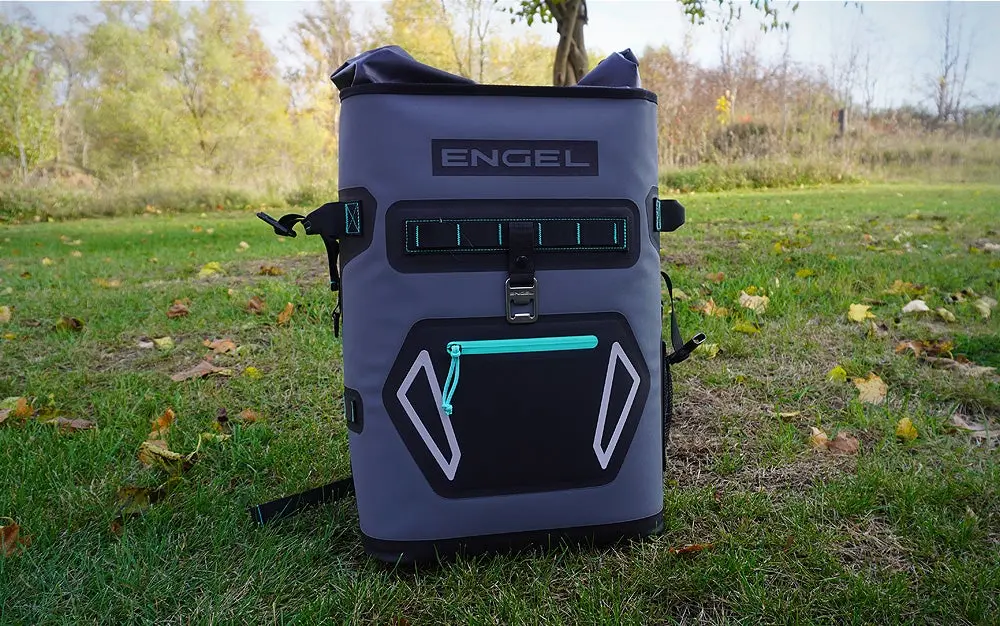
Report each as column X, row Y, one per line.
column 505, row 346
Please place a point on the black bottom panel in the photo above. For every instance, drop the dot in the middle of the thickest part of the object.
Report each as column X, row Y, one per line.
column 417, row 552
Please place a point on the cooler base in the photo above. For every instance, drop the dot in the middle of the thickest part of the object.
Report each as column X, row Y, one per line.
column 415, row 552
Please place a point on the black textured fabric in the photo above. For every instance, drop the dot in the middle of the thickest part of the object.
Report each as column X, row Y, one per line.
column 290, row 505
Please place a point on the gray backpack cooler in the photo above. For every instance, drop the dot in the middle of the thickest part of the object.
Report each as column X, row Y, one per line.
column 505, row 378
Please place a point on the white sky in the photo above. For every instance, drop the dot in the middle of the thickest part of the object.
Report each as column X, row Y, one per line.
column 904, row 38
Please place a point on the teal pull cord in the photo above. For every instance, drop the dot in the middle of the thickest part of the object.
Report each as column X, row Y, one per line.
column 451, row 382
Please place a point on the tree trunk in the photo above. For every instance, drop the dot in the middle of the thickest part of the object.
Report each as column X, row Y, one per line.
column 571, row 53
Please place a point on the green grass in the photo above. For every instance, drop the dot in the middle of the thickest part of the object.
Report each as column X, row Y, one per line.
column 900, row 533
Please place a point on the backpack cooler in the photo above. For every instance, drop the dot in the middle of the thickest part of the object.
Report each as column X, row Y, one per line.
column 495, row 250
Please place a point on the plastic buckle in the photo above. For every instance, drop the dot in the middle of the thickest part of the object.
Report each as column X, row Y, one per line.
column 526, row 295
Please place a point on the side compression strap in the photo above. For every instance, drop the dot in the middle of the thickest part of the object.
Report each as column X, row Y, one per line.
column 290, row 505
column 681, row 350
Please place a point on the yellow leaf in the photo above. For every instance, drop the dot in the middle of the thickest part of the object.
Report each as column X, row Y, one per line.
column 286, row 314
column 69, row 323
column 945, row 314
column 757, row 304
column 805, row 272
column 156, row 454
column 710, row 309
column 871, row 390
column 4, row 314
column 796, row 216
column 114, row 283
column 252, row 373
column 161, row 425
column 746, row 328
column 213, row 267
column 905, row 430
column 707, row 350
column 271, row 270
column 48, row 261
column 818, row 439
column 983, row 305
column 680, row 295
column 163, row 343
column 859, row 313
column 787, row 414
column 837, row 375
column 213, row 437
column 9, row 336
column 76, row 254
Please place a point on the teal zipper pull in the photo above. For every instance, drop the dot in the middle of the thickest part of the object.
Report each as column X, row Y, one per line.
column 451, row 382
column 505, row 346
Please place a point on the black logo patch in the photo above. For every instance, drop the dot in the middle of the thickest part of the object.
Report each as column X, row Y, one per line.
column 493, row 157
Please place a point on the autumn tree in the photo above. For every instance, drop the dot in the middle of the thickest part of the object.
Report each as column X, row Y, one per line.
column 571, row 61
column 26, row 127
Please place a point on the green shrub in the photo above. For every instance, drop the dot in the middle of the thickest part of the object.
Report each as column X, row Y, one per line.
column 764, row 175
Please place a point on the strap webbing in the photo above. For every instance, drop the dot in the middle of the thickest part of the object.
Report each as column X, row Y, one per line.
column 290, row 505
column 675, row 330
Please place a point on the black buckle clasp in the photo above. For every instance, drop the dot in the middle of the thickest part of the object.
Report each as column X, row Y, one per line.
column 285, row 226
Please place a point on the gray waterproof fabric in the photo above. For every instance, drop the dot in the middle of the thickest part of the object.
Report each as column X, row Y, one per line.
column 386, row 149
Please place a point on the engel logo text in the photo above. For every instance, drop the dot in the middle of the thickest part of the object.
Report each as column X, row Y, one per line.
column 492, row 157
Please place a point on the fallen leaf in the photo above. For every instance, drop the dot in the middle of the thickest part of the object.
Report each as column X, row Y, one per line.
column 788, row 414
column 76, row 254
column 22, row 409
column 946, row 315
column 964, row 424
column 156, row 454
column 680, row 295
column 818, row 439
column 965, row 367
column 72, row 425
column 901, row 288
column 163, row 343
column 4, row 314
column 746, row 328
column 916, row 306
column 107, row 284
column 31, row 323
column 135, row 500
column 805, row 272
column 838, row 374
column 905, row 429
column 843, row 444
column 286, row 314
column 919, row 347
column 146, row 343
column 691, row 548
column 11, row 540
column 249, row 416
column 256, row 305
column 48, row 261
column 202, row 369
column 25, row 274
column 983, row 305
column 177, row 309
column 161, row 425
column 707, row 350
column 859, row 313
column 243, row 245
column 221, row 423
column 717, row 277
column 220, row 346
column 212, row 267
column 871, row 390
column 273, row 270
column 710, row 309
column 213, row 437
column 252, row 373
column 757, row 304
column 69, row 323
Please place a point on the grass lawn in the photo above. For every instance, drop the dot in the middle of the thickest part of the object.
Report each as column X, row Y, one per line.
column 902, row 531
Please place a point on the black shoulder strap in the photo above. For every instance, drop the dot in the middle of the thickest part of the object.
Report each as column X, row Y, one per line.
column 681, row 350
column 290, row 505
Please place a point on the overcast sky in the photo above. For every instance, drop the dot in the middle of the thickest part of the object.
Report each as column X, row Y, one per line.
column 904, row 38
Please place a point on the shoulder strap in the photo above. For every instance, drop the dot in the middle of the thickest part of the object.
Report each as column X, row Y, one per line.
column 681, row 350
column 290, row 505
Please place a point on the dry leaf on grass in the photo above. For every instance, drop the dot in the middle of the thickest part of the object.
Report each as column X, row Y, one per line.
column 221, row 423
column 134, row 501
column 916, row 306
column 156, row 454
column 920, row 347
column 805, row 272
column 271, row 270
column 178, row 309
column 202, row 369
column 105, row 283
column 984, row 305
column 220, row 346
column 900, row 288
column 945, row 314
column 255, row 305
column 252, row 373
column 680, row 294
column 746, row 328
column 707, row 350
column 163, row 343
column 818, row 439
column 838, row 374
column 691, row 548
column 871, row 390
column 757, row 304
column 15, row 408
column 843, row 443
column 161, row 425
column 859, row 313
column 48, row 261
column 905, row 430
column 710, row 309
column 959, row 364
column 71, row 425
column 977, row 430
column 69, row 323
column 12, row 542
column 716, row 277
column 4, row 314
column 212, row 267
column 145, row 343
column 249, row 416
column 286, row 314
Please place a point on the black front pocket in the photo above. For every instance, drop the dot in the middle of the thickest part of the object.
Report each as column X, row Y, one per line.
column 539, row 407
